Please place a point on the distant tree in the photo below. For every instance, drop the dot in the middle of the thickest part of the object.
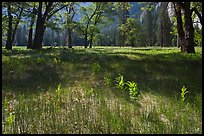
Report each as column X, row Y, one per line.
column 19, row 35
column 83, row 25
column 147, row 21
column 24, row 35
column 104, row 9
column 106, row 28
column 91, row 16
column 53, row 35
column 32, row 15
column 47, row 37
column 70, row 12
column 164, row 25
column 14, row 13
column 122, row 10
column 132, row 31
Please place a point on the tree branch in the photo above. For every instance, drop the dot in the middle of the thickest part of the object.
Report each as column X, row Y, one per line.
column 197, row 13
column 55, row 11
column 81, row 29
column 73, row 12
column 48, row 9
column 182, row 5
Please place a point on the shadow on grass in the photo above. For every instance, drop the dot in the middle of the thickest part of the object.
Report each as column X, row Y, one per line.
column 164, row 74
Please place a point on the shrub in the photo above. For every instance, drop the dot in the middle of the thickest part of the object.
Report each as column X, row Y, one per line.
column 95, row 68
column 120, row 83
column 183, row 93
column 107, row 80
column 133, row 89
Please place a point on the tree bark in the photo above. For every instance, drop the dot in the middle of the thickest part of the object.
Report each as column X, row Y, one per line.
column 186, row 38
column 38, row 39
column 86, row 41
column 37, row 42
column 91, row 41
column 41, row 26
column 69, row 37
column 16, row 25
column 69, row 21
column 178, row 44
column 30, row 35
column 189, row 30
column 87, row 27
column 9, row 33
column 162, row 35
column 86, row 36
column 92, row 32
column 179, row 25
column 198, row 14
column 123, row 17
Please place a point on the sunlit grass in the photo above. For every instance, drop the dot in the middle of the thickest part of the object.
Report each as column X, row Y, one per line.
column 74, row 91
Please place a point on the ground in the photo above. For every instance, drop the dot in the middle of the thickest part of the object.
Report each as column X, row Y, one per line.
column 75, row 90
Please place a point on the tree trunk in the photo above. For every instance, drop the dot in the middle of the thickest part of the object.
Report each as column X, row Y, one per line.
column 40, row 26
column 9, row 33
column 69, row 21
column 189, row 30
column 178, row 41
column 92, row 32
column 91, row 41
column 162, row 34
column 179, row 25
column 186, row 38
column 69, row 38
column 86, row 41
column 30, row 35
column 16, row 25
column 38, row 39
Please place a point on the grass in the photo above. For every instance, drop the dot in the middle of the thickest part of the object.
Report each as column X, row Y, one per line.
column 74, row 91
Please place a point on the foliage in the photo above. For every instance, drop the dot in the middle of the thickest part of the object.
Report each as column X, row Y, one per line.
column 148, row 5
column 183, row 93
column 4, row 31
column 58, row 91
column 92, row 15
column 118, row 6
column 133, row 89
column 11, row 119
column 147, row 20
column 107, row 80
column 89, row 92
column 131, row 30
column 120, row 83
column 164, row 26
column 198, row 36
column 95, row 68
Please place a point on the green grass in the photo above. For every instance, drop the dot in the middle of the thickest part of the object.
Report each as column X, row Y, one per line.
column 74, row 91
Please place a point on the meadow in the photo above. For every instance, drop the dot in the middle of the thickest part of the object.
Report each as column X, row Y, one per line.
column 88, row 91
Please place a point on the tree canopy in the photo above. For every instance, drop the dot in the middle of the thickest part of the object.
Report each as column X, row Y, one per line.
column 87, row 23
